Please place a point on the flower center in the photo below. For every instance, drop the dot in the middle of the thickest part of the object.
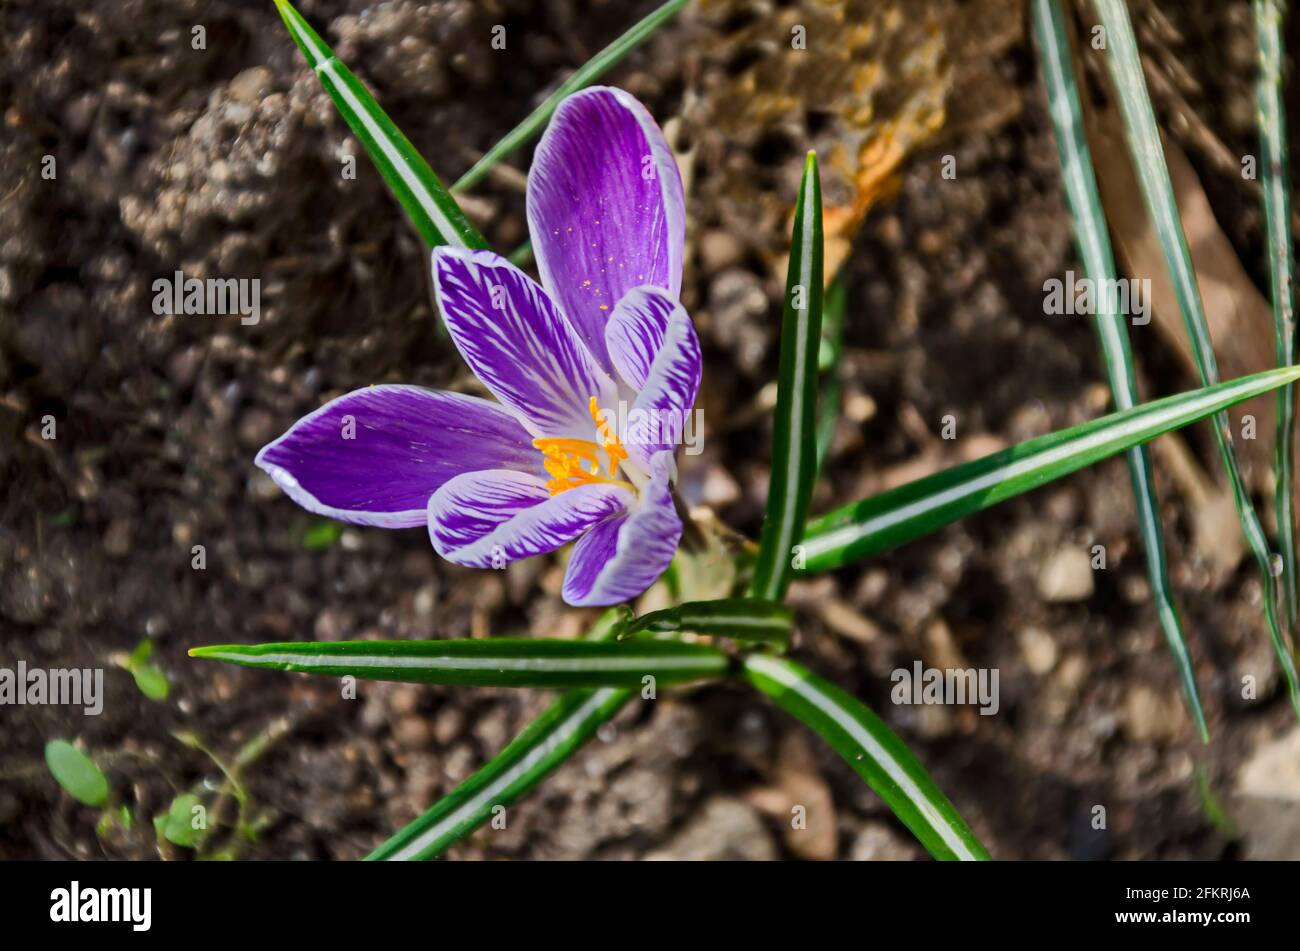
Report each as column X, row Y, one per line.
column 574, row 462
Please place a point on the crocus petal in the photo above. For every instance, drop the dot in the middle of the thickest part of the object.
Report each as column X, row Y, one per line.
column 518, row 343
column 374, row 456
column 635, row 333
column 623, row 555
column 489, row 519
column 654, row 345
column 605, row 208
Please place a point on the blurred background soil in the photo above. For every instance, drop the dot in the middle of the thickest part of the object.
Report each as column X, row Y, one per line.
column 226, row 162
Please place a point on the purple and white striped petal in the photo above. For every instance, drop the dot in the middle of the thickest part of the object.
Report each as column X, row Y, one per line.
column 635, row 332
column 622, row 556
column 655, row 347
column 375, row 456
column 489, row 519
column 605, row 208
column 518, row 343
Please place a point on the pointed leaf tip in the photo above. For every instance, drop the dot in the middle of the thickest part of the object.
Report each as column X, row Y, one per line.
column 497, row 661
column 419, row 191
column 794, row 443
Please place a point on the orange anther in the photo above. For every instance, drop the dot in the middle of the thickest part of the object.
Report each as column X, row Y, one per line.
column 563, row 457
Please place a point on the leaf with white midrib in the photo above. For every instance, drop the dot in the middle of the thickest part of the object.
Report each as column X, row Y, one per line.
column 497, row 662
column 873, row 751
column 582, row 77
column 543, row 745
column 1275, row 173
column 426, row 201
column 1157, row 190
column 794, row 438
column 744, row 619
column 1079, row 180
column 918, row 508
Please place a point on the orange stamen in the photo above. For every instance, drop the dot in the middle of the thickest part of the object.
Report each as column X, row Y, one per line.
column 609, row 439
column 563, row 457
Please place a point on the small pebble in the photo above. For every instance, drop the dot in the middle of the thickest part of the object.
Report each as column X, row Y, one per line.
column 1066, row 576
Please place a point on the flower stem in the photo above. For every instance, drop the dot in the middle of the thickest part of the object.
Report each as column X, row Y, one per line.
column 693, row 538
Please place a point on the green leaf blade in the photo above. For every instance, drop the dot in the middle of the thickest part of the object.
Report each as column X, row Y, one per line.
column 322, row 534
column 1158, row 193
column 873, row 751
column 794, row 438
column 742, row 619
column 582, row 77
column 76, row 773
column 547, row 742
column 491, row 662
column 152, row 682
column 828, row 404
column 1274, row 167
column 428, row 204
column 918, row 508
column 1097, row 256
column 177, row 825
column 148, row 676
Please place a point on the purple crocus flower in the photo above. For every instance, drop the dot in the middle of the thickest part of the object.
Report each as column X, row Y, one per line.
column 602, row 340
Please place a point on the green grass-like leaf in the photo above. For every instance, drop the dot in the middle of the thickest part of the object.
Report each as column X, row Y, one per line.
column 1158, row 192
column 547, row 742
column 582, row 77
column 76, row 773
column 1269, row 16
column 521, row 256
column 1098, row 260
column 741, row 619
column 794, row 441
column 493, row 662
column 828, row 362
column 921, row 507
column 873, row 751
column 429, row 205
